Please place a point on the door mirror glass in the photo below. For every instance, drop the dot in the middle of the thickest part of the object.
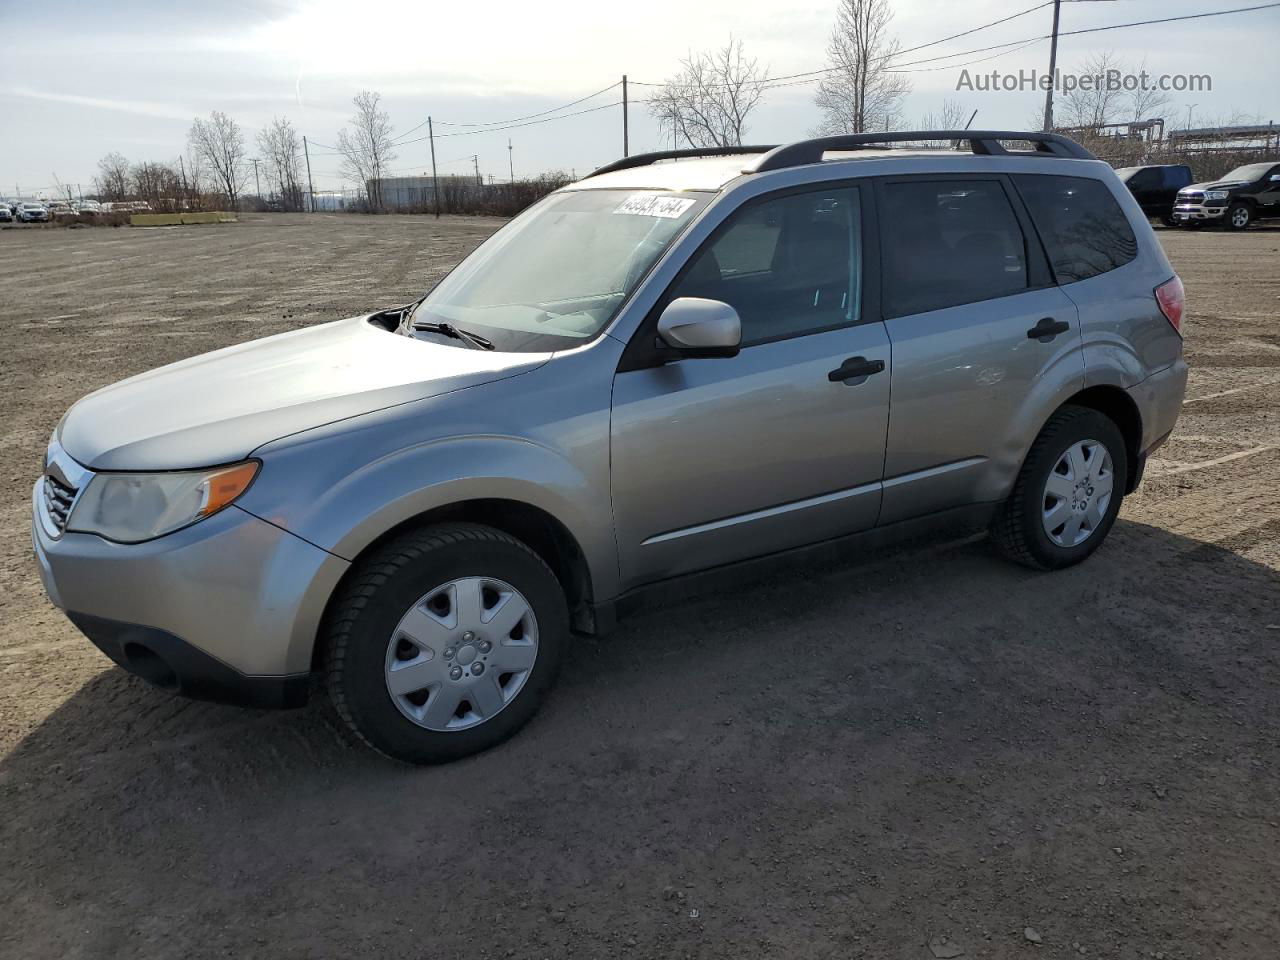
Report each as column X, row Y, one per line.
column 700, row 328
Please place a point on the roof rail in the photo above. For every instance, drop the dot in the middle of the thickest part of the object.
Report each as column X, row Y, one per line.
column 644, row 159
column 986, row 142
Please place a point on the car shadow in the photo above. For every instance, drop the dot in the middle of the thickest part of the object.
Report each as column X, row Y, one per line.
column 910, row 719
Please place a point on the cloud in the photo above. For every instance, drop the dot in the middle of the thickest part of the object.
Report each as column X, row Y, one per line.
column 146, row 108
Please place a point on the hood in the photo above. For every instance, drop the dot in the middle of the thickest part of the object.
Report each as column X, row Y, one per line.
column 221, row 406
column 1215, row 185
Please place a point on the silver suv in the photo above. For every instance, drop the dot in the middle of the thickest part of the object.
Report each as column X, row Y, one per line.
column 686, row 361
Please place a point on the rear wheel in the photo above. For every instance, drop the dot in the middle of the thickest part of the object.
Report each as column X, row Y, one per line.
column 445, row 642
column 1067, row 494
column 1239, row 216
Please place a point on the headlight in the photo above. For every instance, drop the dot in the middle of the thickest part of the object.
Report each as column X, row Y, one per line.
column 1215, row 195
column 132, row 507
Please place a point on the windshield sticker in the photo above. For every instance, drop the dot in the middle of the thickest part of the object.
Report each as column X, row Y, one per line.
column 650, row 205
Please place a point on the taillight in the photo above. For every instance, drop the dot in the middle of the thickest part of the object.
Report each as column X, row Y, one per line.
column 1171, row 298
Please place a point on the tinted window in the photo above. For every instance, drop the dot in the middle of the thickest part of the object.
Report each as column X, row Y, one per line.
column 1083, row 228
column 789, row 266
column 1148, row 179
column 948, row 242
column 1175, row 178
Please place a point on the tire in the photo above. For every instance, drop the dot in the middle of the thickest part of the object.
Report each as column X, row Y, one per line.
column 1021, row 528
column 1238, row 216
column 404, row 607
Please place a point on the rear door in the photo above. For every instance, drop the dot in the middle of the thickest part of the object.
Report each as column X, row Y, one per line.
column 982, row 340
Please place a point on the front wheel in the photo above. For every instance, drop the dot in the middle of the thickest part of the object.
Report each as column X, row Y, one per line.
column 1239, row 216
column 1068, row 493
column 444, row 642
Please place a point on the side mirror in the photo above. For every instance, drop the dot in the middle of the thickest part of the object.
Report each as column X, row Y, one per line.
column 700, row 328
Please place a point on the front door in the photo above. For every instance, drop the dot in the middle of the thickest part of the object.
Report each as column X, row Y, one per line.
column 717, row 460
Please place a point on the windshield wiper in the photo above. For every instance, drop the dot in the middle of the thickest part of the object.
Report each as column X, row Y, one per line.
column 449, row 330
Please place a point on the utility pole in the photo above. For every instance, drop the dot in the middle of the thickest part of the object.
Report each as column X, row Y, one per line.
column 310, row 186
column 435, row 177
column 257, row 184
column 511, row 165
column 1053, row 66
column 186, row 193
column 625, row 145
column 475, row 158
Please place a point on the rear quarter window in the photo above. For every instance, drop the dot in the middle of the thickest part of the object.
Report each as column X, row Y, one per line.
column 1084, row 230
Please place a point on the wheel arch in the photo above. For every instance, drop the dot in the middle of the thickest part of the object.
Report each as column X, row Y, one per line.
column 1116, row 405
column 538, row 529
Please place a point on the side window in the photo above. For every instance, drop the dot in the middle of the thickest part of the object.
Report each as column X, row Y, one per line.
column 948, row 242
column 789, row 266
column 1145, row 180
column 1175, row 178
column 1083, row 228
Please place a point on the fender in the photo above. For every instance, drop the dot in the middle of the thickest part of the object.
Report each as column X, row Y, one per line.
column 341, row 487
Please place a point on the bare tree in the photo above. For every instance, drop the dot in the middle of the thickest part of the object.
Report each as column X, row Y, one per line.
column 1145, row 104
column 952, row 115
column 708, row 102
column 283, row 149
column 1092, row 104
column 367, row 150
column 862, row 93
column 157, row 183
column 220, row 144
column 112, row 181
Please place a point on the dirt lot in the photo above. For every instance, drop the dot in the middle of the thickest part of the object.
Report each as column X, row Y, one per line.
column 929, row 748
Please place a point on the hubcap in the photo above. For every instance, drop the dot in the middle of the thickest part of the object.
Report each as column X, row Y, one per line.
column 461, row 653
column 1077, row 493
column 1240, row 218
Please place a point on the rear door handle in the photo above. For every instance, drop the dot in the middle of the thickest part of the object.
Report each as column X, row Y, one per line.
column 853, row 369
column 1047, row 329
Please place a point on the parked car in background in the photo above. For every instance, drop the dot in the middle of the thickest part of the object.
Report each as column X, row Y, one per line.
column 31, row 211
column 61, row 208
column 1156, row 187
column 6, row 215
column 662, row 370
column 1246, row 194
column 89, row 207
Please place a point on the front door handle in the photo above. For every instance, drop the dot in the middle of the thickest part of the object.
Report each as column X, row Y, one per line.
column 855, row 368
column 1047, row 329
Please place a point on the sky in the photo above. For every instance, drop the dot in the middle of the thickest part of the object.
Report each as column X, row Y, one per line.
column 81, row 79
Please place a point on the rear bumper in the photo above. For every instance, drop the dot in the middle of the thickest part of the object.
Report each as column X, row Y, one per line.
column 172, row 664
column 1159, row 402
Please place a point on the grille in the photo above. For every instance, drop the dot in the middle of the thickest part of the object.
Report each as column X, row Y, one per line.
column 1194, row 196
column 57, row 501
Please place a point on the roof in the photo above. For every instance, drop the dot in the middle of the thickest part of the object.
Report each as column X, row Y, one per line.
column 713, row 173
column 702, row 173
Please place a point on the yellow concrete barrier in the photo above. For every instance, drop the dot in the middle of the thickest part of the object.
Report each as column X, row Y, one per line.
column 177, row 219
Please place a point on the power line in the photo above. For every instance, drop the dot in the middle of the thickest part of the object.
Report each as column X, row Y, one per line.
column 774, row 81
column 542, row 113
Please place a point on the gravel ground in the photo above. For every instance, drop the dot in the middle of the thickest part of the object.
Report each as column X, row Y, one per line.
column 926, row 753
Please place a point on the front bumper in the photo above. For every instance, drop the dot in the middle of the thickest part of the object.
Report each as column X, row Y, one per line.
column 226, row 609
column 1183, row 212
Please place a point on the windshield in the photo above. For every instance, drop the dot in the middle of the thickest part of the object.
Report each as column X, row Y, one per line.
column 555, row 276
column 1250, row 171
